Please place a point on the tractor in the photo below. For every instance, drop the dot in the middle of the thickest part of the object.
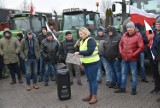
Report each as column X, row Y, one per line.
column 74, row 18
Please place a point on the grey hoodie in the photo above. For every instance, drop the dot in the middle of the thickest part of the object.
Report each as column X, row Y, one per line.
column 101, row 40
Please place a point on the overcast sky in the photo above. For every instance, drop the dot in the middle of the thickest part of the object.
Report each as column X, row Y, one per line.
column 49, row 5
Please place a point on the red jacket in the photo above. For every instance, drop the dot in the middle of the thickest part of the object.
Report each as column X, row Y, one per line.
column 131, row 46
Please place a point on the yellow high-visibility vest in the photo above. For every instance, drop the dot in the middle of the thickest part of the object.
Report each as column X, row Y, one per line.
column 92, row 58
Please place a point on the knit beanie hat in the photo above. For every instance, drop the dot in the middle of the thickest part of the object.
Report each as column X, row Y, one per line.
column 44, row 27
column 111, row 29
column 130, row 25
column 158, row 20
column 68, row 32
column 29, row 32
column 100, row 29
column 49, row 34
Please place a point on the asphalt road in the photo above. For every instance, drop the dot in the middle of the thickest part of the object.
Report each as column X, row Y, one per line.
column 16, row 96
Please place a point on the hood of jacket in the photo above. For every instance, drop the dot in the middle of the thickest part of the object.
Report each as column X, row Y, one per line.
column 5, row 31
column 100, row 28
column 113, row 30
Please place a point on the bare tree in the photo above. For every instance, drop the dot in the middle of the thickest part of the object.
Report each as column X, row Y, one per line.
column 106, row 13
column 24, row 6
column 2, row 5
column 104, row 5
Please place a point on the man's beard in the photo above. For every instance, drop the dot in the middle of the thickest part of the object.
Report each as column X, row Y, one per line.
column 7, row 37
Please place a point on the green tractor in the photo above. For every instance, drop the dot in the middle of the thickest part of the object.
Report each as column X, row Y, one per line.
column 21, row 22
column 73, row 19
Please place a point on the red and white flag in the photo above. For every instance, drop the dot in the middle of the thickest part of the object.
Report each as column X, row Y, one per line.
column 138, row 16
column 149, row 33
column 150, row 36
column 32, row 10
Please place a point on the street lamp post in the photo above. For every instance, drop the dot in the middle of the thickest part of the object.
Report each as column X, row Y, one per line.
column 97, row 4
column 123, row 10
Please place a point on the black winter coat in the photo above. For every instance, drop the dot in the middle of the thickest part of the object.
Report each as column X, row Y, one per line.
column 111, row 49
column 41, row 37
column 49, row 51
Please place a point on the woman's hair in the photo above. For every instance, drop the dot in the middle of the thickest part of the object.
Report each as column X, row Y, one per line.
column 85, row 30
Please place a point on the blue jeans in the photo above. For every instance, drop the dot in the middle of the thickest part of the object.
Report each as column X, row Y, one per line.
column 31, row 66
column 49, row 70
column 42, row 67
column 14, row 68
column 114, row 67
column 142, row 68
column 104, row 64
column 125, row 68
column 91, row 73
column 22, row 65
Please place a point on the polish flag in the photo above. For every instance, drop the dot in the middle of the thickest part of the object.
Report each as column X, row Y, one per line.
column 32, row 10
column 149, row 33
column 138, row 16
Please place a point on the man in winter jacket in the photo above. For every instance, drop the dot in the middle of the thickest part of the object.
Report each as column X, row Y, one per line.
column 41, row 37
column 21, row 61
column 49, row 49
column 130, row 46
column 100, row 38
column 9, row 49
column 142, row 54
column 156, row 58
column 68, row 47
column 112, row 55
column 30, row 53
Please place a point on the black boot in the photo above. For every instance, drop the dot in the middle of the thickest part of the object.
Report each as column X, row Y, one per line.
column 20, row 81
column 120, row 90
column 40, row 80
column 145, row 80
column 112, row 85
column 107, row 83
column 13, row 82
column 117, row 86
column 133, row 92
column 155, row 90
column 99, row 81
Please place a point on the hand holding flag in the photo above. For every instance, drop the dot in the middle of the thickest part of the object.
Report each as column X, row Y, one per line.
column 150, row 36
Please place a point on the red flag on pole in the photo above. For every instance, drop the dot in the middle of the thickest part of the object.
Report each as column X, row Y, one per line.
column 138, row 16
column 150, row 36
column 32, row 11
column 149, row 33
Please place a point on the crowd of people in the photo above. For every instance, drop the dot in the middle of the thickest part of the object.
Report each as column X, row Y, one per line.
column 111, row 52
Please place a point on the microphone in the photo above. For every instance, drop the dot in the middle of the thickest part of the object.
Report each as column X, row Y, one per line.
column 78, row 42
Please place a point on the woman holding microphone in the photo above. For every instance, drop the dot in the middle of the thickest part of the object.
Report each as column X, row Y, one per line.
column 88, row 48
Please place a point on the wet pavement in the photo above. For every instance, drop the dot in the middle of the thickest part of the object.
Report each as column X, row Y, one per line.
column 16, row 96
